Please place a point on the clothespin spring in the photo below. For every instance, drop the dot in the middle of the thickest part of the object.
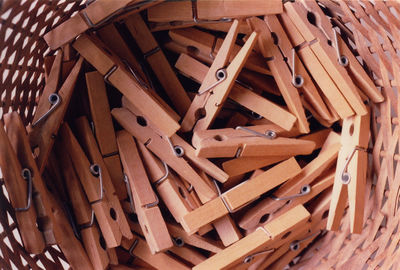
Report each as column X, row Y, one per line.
column 162, row 178
column 54, row 100
column 222, row 197
column 178, row 241
column 27, row 175
column 269, row 134
column 96, row 171
column 342, row 59
column 304, row 190
column 176, row 149
column 221, row 75
column 297, row 80
column 295, row 245
column 250, row 257
column 346, row 177
column 89, row 224
column 128, row 189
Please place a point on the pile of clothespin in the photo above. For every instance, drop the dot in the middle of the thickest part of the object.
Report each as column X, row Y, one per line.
column 179, row 134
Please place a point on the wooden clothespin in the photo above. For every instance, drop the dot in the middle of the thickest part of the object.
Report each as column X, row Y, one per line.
column 146, row 201
column 18, row 182
column 293, row 190
column 235, row 198
column 140, row 249
column 204, row 47
column 350, row 175
column 354, row 68
column 93, row 16
column 316, row 69
column 50, row 88
column 334, row 65
column 300, row 77
column 54, row 218
column 114, row 71
column 287, row 252
column 196, row 70
column 42, row 132
column 281, row 72
column 173, row 193
column 91, row 179
column 158, row 62
column 208, row 12
column 268, row 237
column 218, row 82
column 247, row 141
column 84, row 216
column 243, row 165
column 104, row 129
column 172, row 150
column 88, row 143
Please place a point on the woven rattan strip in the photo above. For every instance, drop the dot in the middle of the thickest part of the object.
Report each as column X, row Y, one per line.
column 372, row 30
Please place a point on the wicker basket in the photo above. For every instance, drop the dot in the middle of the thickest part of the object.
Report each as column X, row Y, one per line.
column 374, row 29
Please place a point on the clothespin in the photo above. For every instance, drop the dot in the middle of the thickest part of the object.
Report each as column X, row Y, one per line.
column 50, row 88
column 293, row 190
column 354, row 68
column 247, row 141
column 88, row 143
column 267, row 237
column 196, row 70
column 316, row 69
column 350, row 175
column 243, row 165
column 180, row 237
column 204, row 47
column 114, row 71
column 84, row 216
column 18, row 182
column 210, row 12
column 42, row 132
column 93, row 16
column 318, row 43
column 235, row 198
column 280, row 72
column 91, row 178
column 104, row 129
column 170, row 150
column 158, row 62
column 287, row 252
column 173, row 193
column 300, row 77
column 218, row 82
column 146, row 201
column 140, row 249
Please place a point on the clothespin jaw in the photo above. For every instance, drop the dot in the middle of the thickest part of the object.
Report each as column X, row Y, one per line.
column 146, row 201
column 264, row 238
column 221, row 91
column 350, row 178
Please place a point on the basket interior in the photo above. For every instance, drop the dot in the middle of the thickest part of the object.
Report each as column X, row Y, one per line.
column 23, row 24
